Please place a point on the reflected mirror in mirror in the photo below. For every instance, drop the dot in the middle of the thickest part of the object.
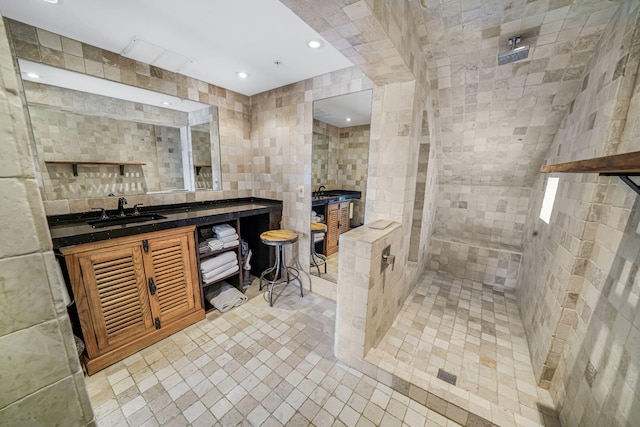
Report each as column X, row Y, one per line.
column 340, row 158
column 95, row 137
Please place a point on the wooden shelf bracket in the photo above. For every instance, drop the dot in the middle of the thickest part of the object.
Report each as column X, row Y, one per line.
column 621, row 165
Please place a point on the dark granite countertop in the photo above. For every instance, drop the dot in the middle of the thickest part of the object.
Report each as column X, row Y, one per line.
column 329, row 196
column 69, row 230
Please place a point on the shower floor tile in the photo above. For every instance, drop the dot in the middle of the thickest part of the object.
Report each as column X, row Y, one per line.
column 469, row 330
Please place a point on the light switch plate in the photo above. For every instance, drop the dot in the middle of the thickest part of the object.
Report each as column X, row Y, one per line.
column 301, row 192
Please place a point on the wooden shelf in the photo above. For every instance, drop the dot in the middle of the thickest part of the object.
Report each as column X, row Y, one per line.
column 74, row 164
column 620, row 164
column 219, row 251
column 217, row 282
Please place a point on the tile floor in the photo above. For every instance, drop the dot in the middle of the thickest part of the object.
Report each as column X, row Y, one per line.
column 253, row 365
column 472, row 331
column 332, row 268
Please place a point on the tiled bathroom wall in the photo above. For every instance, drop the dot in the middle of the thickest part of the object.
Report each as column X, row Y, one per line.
column 578, row 288
column 341, row 160
column 233, row 109
column 478, row 232
column 366, row 307
column 42, row 382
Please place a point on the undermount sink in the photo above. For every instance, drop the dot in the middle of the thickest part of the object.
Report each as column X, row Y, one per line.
column 123, row 220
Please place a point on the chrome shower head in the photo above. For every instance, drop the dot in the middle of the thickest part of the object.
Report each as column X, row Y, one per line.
column 515, row 54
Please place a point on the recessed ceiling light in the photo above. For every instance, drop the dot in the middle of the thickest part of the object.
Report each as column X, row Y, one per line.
column 242, row 74
column 166, row 103
column 315, row 43
column 51, row 1
column 348, row 119
column 33, row 75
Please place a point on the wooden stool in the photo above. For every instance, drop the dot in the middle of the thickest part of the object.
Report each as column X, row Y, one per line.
column 279, row 239
column 316, row 258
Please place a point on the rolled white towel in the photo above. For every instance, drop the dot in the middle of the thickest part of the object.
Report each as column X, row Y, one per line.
column 206, row 276
column 223, row 274
column 231, row 244
column 217, row 261
column 229, row 238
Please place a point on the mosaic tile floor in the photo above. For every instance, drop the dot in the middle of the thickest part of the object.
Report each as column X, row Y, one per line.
column 254, row 366
column 474, row 332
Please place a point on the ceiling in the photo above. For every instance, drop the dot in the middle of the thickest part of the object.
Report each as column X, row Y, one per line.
column 356, row 107
column 496, row 123
column 210, row 40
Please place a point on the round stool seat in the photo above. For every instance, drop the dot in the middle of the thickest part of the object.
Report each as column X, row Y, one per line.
column 279, row 273
column 278, row 237
column 318, row 227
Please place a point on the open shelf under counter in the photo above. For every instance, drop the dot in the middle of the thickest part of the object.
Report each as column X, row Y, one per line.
column 217, row 252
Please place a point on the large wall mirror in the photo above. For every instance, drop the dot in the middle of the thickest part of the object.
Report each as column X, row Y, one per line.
column 95, row 137
column 340, row 157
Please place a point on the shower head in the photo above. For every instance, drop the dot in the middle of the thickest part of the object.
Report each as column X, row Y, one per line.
column 515, row 54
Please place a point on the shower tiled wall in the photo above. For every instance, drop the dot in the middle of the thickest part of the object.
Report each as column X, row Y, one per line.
column 578, row 289
column 482, row 213
column 478, row 232
column 42, row 381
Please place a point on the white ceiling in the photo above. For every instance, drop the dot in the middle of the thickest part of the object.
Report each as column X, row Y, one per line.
column 336, row 110
column 210, row 40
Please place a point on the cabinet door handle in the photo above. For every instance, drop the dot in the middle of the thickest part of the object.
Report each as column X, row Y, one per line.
column 152, row 286
column 145, row 246
column 157, row 322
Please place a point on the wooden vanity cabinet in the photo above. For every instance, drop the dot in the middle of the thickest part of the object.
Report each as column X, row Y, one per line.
column 131, row 292
column 337, row 218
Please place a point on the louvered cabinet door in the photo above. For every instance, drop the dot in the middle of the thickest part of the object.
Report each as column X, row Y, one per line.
column 117, row 296
column 344, row 218
column 171, row 278
column 333, row 224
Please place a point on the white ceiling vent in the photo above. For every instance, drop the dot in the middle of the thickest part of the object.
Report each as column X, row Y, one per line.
column 144, row 51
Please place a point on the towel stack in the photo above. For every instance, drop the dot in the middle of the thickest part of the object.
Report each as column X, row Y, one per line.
column 210, row 245
column 224, row 297
column 219, row 266
column 318, row 237
column 227, row 235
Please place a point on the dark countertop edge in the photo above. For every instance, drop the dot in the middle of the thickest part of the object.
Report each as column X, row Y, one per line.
column 56, row 220
column 107, row 233
column 347, row 195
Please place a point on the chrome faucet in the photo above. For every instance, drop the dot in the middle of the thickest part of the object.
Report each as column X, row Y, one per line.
column 121, row 202
column 321, row 190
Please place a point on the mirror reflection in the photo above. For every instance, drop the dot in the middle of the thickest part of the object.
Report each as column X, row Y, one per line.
column 95, row 137
column 341, row 130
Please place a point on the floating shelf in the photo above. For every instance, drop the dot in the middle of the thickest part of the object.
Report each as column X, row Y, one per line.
column 74, row 164
column 620, row 165
column 198, row 167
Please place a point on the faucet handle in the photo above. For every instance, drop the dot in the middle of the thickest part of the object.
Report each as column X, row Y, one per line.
column 103, row 214
column 135, row 208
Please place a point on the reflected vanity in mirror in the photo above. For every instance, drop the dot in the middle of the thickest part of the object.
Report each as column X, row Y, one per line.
column 340, row 157
column 95, row 137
